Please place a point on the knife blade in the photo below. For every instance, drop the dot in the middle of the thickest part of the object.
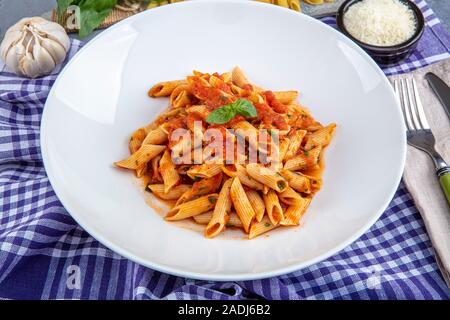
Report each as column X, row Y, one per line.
column 441, row 89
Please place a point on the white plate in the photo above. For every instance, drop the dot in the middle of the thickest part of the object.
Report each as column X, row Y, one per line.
column 100, row 99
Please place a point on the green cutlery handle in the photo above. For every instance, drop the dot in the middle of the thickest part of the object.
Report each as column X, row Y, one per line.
column 444, row 179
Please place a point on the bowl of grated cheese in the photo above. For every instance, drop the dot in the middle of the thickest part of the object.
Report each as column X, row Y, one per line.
column 388, row 30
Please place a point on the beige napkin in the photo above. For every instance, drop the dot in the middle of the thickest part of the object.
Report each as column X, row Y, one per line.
column 420, row 176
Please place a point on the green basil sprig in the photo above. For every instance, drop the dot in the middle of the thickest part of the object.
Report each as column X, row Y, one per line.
column 92, row 13
column 227, row 112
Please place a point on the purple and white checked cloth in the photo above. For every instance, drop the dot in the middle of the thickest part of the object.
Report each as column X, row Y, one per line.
column 41, row 245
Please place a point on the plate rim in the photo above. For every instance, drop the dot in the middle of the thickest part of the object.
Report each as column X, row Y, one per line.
column 177, row 271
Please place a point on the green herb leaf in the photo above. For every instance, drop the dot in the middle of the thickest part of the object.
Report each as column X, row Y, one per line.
column 92, row 14
column 227, row 112
column 267, row 225
column 221, row 115
column 281, row 184
column 212, row 199
column 245, row 108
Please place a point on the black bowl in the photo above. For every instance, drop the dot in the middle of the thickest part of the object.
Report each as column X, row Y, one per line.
column 386, row 55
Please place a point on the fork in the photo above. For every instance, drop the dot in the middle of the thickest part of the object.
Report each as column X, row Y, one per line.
column 418, row 130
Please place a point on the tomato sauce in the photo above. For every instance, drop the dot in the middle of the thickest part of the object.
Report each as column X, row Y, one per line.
column 192, row 118
column 213, row 97
column 273, row 102
column 269, row 117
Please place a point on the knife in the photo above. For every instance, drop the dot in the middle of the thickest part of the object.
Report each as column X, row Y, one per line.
column 441, row 89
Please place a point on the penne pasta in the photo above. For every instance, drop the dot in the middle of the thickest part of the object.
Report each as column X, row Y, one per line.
column 165, row 89
column 234, row 221
column 168, row 172
column 173, row 194
column 238, row 77
column 226, row 77
column 204, row 170
column 238, row 90
column 321, row 137
column 284, row 145
column 182, row 100
column 192, row 208
column 297, row 181
column 136, row 140
column 294, row 213
column 286, row 97
column 303, row 161
column 290, row 197
column 150, row 127
column 141, row 157
column 201, row 110
column 273, row 207
column 154, row 163
column 247, row 131
column 257, row 204
column 216, row 82
column 295, row 142
column 178, row 94
column 314, row 182
column 267, row 177
column 238, row 171
column 258, row 228
column 135, row 143
column 156, row 136
column 221, row 211
column 202, row 187
column 203, row 218
column 241, row 204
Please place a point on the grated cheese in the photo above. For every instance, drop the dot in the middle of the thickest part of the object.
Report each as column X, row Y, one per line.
column 380, row 22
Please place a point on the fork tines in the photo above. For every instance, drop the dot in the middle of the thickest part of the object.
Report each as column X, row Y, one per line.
column 406, row 90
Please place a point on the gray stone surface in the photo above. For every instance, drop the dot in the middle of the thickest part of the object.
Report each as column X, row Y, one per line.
column 13, row 10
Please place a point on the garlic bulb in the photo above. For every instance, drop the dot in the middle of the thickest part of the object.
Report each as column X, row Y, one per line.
column 34, row 46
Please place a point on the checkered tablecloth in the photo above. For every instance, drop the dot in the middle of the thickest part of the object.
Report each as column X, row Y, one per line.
column 44, row 254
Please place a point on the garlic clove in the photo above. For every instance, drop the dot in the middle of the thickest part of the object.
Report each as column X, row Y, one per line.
column 29, row 66
column 54, row 49
column 12, row 61
column 14, row 55
column 10, row 39
column 61, row 38
column 54, row 32
column 46, row 62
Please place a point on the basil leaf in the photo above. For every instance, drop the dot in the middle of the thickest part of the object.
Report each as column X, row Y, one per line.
column 245, row 108
column 227, row 112
column 221, row 115
column 93, row 13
